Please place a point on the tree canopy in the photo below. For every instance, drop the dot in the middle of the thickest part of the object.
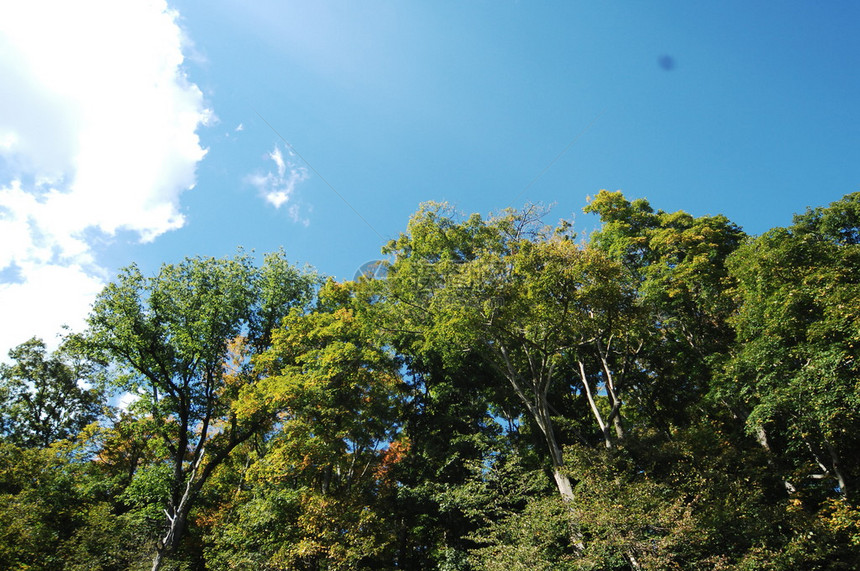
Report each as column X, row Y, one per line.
column 171, row 336
column 667, row 393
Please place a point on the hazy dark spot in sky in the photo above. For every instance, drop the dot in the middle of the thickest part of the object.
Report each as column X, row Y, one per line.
column 666, row 62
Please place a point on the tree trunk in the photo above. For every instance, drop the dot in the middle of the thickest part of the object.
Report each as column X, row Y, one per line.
column 604, row 428
column 177, row 517
column 174, row 534
column 156, row 562
column 562, row 482
column 539, row 409
column 837, row 470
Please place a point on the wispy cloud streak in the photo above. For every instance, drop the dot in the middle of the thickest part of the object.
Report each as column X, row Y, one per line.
column 277, row 187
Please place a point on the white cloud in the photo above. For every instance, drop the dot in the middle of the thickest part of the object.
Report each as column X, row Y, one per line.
column 276, row 156
column 97, row 134
column 52, row 295
column 277, row 188
column 125, row 400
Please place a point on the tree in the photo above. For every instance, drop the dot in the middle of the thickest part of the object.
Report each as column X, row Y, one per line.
column 542, row 311
column 57, row 511
column 39, row 506
column 795, row 366
column 450, row 428
column 682, row 283
column 170, row 335
column 322, row 481
column 46, row 398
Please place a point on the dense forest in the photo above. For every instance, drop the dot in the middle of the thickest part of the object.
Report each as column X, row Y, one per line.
column 500, row 394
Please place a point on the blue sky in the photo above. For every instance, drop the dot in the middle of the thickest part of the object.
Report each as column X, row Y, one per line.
column 149, row 131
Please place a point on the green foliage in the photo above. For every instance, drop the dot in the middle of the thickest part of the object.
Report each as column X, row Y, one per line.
column 538, row 537
column 42, row 396
column 529, row 302
column 173, row 335
column 672, row 395
column 795, row 367
column 37, row 504
column 517, row 520
column 149, row 490
column 337, row 397
column 56, row 516
column 679, row 264
column 258, row 530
